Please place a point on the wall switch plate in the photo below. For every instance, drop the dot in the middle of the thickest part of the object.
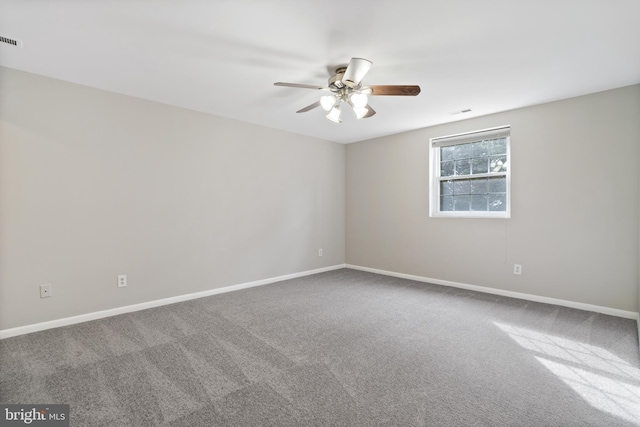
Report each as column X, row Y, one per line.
column 45, row 291
column 517, row 269
column 122, row 280
column 320, row 252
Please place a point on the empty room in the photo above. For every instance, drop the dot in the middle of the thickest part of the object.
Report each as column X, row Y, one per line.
column 338, row 213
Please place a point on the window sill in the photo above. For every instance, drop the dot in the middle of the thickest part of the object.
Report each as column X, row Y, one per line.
column 454, row 214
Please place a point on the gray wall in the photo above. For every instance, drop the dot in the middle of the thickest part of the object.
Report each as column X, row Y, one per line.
column 95, row 184
column 575, row 205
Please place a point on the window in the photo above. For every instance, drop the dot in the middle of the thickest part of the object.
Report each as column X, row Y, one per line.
column 470, row 174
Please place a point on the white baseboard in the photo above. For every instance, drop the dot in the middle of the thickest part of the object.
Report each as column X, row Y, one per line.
column 36, row 327
column 7, row 333
column 578, row 305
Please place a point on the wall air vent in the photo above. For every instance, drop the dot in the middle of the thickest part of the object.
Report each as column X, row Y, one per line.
column 10, row 41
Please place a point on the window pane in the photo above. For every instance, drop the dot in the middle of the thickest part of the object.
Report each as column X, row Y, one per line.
column 498, row 146
column 446, row 203
column 461, row 186
column 497, row 202
column 498, row 163
column 462, row 151
column 479, row 149
column 479, row 186
column 498, row 185
column 463, row 167
column 479, row 203
column 446, row 153
column 446, row 188
column 447, row 168
column 479, row 165
column 461, row 203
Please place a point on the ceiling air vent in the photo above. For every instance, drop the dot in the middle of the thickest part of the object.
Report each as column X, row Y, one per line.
column 10, row 41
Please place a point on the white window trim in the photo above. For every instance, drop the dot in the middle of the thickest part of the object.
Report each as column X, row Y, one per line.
column 434, row 182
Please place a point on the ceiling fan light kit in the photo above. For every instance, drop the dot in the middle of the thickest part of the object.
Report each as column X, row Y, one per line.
column 346, row 86
column 334, row 114
column 328, row 101
column 361, row 113
column 359, row 100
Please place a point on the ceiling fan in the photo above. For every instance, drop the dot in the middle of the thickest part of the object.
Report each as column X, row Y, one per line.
column 345, row 86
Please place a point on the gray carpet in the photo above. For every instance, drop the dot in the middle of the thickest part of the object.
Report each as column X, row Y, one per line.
column 343, row 348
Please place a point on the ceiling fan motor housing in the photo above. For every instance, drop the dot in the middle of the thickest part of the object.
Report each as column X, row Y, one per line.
column 335, row 81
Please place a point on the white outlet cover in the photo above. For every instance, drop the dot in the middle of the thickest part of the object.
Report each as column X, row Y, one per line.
column 122, row 280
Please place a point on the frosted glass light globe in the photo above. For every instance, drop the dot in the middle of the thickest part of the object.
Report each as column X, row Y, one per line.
column 327, row 102
column 359, row 100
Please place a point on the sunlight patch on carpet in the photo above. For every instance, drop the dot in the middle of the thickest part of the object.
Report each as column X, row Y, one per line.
column 602, row 379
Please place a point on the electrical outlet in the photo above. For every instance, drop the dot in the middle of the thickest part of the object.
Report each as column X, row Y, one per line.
column 517, row 269
column 122, row 280
column 45, row 291
column 320, row 252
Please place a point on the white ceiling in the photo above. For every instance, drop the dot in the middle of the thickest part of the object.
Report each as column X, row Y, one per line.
column 223, row 56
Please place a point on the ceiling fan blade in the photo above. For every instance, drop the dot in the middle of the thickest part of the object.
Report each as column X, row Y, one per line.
column 393, row 90
column 370, row 113
column 355, row 72
column 309, row 107
column 300, row 85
